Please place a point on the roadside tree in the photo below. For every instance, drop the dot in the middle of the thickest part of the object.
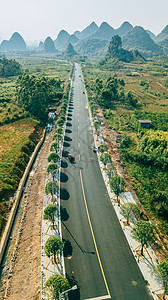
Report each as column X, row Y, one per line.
column 54, row 147
column 102, row 148
column 52, row 169
column 162, row 270
column 97, row 127
column 117, row 186
column 57, row 136
column 92, row 108
column 49, row 213
column 53, row 247
column 105, row 158
column 59, row 130
column 55, row 285
column 53, row 157
column 110, row 169
column 60, row 122
column 143, row 232
column 126, row 211
column 51, row 188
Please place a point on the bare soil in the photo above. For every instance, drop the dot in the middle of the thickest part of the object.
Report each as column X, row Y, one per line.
column 24, row 280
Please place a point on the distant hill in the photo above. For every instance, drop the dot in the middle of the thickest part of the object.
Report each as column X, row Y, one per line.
column 87, row 32
column 61, row 40
column 77, row 34
column 93, row 47
column 41, row 45
column 162, row 39
column 105, row 31
column 49, row 46
column 115, row 50
column 70, row 52
column 162, row 36
column 140, row 40
column 151, row 34
column 72, row 39
column 16, row 43
column 93, row 40
column 124, row 29
column 96, row 45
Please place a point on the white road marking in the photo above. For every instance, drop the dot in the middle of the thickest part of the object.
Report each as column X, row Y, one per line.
column 100, row 298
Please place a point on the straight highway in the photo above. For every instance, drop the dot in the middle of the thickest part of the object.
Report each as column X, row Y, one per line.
column 99, row 258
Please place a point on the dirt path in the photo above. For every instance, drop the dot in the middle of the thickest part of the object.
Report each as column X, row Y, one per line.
column 25, row 279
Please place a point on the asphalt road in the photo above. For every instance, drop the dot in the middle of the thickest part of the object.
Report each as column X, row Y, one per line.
column 98, row 257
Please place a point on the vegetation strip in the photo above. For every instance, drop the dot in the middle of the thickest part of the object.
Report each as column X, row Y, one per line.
column 9, row 225
column 53, row 245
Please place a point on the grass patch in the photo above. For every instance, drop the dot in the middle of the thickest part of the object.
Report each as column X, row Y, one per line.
column 17, row 142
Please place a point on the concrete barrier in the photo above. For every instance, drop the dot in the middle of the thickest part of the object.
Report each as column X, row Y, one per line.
column 11, row 219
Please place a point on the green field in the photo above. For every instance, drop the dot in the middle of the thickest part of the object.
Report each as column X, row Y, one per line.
column 44, row 65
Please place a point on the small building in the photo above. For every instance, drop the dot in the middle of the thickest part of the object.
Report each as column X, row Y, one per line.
column 145, row 123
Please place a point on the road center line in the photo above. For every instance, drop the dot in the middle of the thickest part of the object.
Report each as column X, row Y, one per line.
column 91, row 228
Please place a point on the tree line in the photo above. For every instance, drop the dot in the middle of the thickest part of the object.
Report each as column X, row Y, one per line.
column 35, row 94
column 9, row 67
column 110, row 92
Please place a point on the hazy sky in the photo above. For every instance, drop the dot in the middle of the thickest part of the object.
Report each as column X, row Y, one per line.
column 37, row 19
